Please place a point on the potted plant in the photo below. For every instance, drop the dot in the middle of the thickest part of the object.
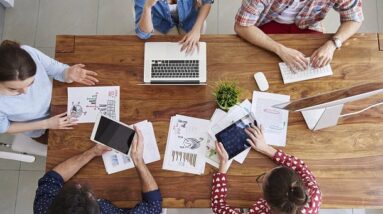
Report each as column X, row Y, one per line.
column 227, row 94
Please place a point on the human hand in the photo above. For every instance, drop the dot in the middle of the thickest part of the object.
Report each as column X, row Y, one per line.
column 323, row 55
column 61, row 121
column 137, row 150
column 76, row 73
column 99, row 150
column 150, row 3
column 190, row 41
column 257, row 140
column 222, row 156
column 294, row 59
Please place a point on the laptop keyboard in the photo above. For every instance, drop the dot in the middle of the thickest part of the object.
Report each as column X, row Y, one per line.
column 175, row 69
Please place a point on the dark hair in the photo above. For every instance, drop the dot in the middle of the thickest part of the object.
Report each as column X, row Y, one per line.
column 74, row 199
column 15, row 62
column 284, row 191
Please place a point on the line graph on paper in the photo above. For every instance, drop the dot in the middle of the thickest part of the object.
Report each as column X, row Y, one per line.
column 84, row 103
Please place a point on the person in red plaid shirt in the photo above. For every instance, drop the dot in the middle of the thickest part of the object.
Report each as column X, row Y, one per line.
column 289, row 188
column 257, row 18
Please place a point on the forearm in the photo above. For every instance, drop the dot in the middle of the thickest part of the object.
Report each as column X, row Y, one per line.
column 202, row 15
column 71, row 166
column 66, row 76
column 257, row 37
column 145, row 23
column 19, row 127
column 147, row 181
column 347, row 29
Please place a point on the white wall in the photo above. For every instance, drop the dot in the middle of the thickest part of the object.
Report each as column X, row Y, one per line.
column 2, row 17
column 7, row 3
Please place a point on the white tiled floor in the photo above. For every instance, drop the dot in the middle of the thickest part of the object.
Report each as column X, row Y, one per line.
column 18, row 182
column 36, row 22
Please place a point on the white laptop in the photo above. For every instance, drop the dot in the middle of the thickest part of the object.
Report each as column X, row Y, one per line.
column 166, row 64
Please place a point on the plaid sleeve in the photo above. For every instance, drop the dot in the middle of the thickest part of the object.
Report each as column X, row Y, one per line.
column 350, row 10
column 249, row 12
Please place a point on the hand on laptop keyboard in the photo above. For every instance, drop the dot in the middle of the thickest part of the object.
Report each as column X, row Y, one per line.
column 190, row 42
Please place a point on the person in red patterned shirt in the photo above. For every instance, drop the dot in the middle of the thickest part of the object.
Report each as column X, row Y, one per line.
column 289, row 188
column 257, row 18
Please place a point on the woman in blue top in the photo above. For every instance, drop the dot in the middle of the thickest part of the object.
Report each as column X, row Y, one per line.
column 26, row 89
column 162, row 15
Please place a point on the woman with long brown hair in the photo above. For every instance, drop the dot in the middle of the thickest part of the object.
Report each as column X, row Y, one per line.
column 26, row 89
column 290, row 188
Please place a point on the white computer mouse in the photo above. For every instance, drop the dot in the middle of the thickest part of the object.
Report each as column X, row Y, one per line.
column 261, row 80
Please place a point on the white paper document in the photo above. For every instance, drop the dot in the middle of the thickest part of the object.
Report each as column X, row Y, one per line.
column 115, row 161
column 273, row 120
column 211, row 154
column 84, row 103
column 185, row 147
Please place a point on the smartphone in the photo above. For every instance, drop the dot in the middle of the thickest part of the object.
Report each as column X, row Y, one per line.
column 114, row 134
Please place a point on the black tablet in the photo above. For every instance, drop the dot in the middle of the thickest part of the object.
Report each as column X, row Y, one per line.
column 112, row 133
column 234, row 137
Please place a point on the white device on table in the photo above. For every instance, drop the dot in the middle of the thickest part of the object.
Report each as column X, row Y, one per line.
column 166, row 64
column 310, row 73
column 113, row 134
column 324, row 110
column 261, row 80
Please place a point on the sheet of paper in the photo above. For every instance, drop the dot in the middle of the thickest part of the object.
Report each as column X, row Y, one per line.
column 84, row 103
column 211, row 154
column 274, row 121
column 115, row 161
column 185, row 147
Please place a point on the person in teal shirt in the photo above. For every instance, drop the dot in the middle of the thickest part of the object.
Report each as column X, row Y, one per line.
column 26, row 89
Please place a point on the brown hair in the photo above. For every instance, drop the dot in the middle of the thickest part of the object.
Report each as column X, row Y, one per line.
column 15, row 62
column 74, row 199
column 284, row 191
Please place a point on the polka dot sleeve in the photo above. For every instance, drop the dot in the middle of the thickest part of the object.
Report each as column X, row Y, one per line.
column 219, row 195
column 48, row 187
column 312, row 207
column 151, row 204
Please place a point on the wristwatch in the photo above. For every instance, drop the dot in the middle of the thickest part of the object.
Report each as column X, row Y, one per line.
column 337, row 42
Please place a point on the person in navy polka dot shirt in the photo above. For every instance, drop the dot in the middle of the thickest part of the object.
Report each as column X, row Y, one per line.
column 290, row 188
column 54, row 195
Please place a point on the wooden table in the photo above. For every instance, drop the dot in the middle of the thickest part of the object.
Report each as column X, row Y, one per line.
column 347, row 159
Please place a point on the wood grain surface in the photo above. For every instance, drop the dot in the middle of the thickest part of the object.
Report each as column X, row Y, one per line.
column 347, row 160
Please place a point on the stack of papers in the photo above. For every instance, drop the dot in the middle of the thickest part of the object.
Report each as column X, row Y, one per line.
column 115, row 161
column 191, row 141
column 186, row 145
column 219, row 121
column 274, row 122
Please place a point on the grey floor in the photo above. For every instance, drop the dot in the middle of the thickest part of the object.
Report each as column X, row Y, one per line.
column 36, row 22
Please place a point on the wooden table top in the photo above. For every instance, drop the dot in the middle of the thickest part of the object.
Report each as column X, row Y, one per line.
column 347, row 160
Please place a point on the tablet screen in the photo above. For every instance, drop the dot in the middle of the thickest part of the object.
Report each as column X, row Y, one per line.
column 114, row 135
column 233, row 138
